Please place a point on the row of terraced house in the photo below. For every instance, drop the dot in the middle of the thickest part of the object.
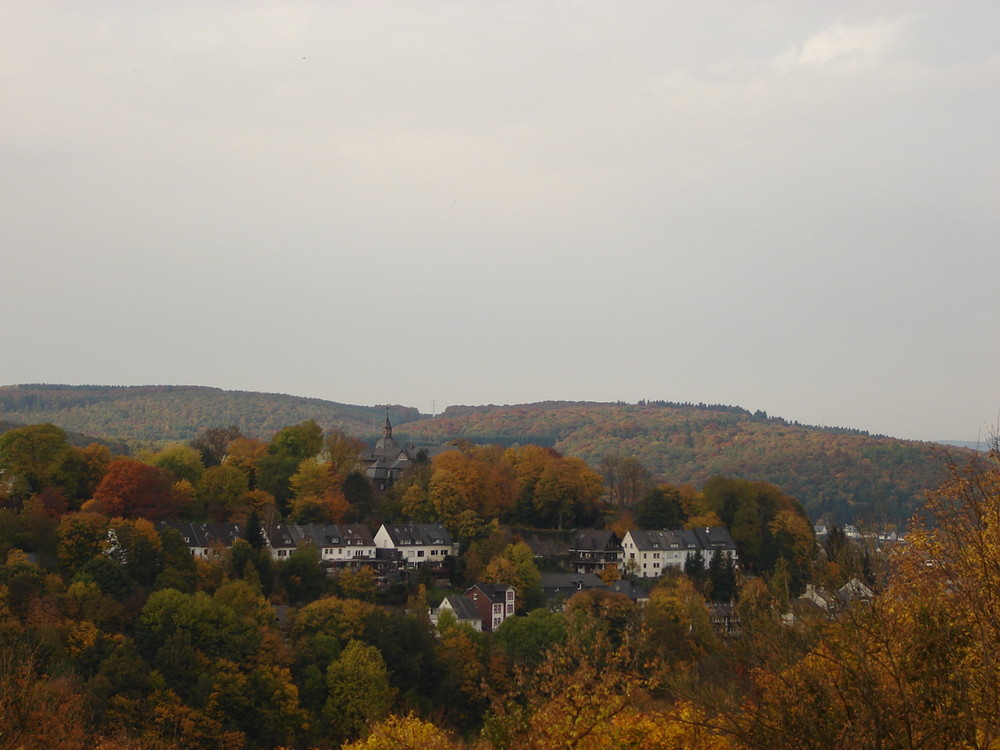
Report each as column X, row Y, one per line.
column 339, row 545
column 643, row 553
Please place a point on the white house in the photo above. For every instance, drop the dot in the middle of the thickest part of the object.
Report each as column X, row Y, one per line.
column 649, row 553
column 336, row 542
column 417, row 542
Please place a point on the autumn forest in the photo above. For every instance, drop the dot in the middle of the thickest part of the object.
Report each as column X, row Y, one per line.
column 115, row 636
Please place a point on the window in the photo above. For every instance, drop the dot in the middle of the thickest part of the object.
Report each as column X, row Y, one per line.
column 420, row 553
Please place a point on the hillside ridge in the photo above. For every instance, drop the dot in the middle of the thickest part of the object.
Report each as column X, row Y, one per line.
column 839, row 474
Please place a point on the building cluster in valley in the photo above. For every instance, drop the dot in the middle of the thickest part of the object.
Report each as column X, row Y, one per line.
column 400, row 547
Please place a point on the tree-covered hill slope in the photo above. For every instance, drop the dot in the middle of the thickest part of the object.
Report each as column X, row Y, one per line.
column 841, row 474
column 155, row 415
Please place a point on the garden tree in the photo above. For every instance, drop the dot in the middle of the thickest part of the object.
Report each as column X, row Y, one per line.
column 302, row 575
column 333, row 617
column 571, row 699
column 459, row 659
column 447, row 496
column 709, row 520
column 626, row 480
column 185, row 636
column 246, row 602
column 222, row 492
column 302, row 441
column 357, row 584
column 81, row 536
column 343, row 452
column 96, row 460
column 610, row 573
column 527, row 462
column 415, row 501
column 136, row 547
column 359, row 692
column 187, row 501
column 722, row 577
column 261, row 702
column 611, row 613
column 245, row 453
column 312, row 478
column 213, row 442
column 525, row 640
column 766, row 524
column 515, row 566
column 360, row 495
column 485, row 480
column 405, row 733
column 25, row 584
column 660, row 508
column 482, row 550
column 795, row 540
column 329, row 508
column 676, row 626
column 134, row 489
column 39, row 531
column 35, row 457
column 961, row 538
column 567, row 492
column 273, row 474
column 694, row 569
column 410, row 494
column 181, row 460
column 253, row 532
column 887, row 674
column 108, row 576
column 30, row 702
column 682, row 725
column 179, row 568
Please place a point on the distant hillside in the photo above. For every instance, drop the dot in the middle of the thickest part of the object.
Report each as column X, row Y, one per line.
column 75, row 438
column 841, row 474
column 154, row 415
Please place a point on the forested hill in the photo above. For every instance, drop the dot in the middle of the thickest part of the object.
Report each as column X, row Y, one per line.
column 160, row 414
column 841, row 474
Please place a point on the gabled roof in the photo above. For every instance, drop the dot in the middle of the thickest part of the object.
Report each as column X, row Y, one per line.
column 495, row 592
column 594, row 540
column 665, row 539
column 714, row 538
column 555, row 583
column 321, row 535
column 629, row 589
column 464, row 609
column 417, row 534
column 206, row 534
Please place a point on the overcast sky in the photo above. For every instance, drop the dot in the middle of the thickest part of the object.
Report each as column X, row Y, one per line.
column 786, row 206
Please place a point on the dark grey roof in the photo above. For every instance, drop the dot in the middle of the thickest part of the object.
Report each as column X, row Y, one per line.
column 555, row 583
column 417, row 534
column 465, row 609
column 206, row 534
column 321, row 535
column 665, row 539
column 714, row 538
column 495, row 592
column 594, row 539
